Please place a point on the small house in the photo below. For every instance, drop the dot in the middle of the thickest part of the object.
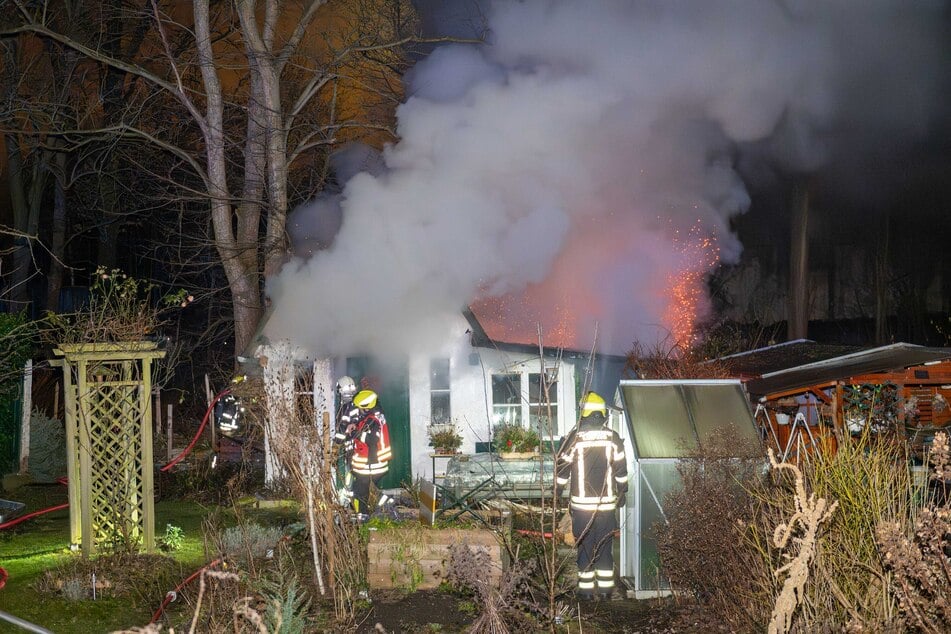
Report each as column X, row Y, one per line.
column 477, row 382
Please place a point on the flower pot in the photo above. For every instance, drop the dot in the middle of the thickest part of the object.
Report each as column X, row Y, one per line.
column 517, row 455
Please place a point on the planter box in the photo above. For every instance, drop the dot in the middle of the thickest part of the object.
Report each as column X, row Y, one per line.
column 415, row 557
column 518, row 455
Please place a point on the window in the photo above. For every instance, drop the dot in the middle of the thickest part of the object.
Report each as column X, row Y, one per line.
column 539, row 406
column 439, row 402
column 506, row 399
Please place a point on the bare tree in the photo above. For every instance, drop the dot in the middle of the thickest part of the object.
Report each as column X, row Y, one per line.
column 264, row 91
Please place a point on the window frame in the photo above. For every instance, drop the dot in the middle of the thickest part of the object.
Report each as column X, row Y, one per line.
column 440, row 392
column 524, row 372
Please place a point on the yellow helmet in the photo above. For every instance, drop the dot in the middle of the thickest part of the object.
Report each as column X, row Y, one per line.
column 591, row 403
column 365, row 399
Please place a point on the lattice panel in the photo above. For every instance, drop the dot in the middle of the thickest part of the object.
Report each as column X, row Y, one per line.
column 115, row 448
column 109, row 442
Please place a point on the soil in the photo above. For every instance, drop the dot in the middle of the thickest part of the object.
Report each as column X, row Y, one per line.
column 423, row 611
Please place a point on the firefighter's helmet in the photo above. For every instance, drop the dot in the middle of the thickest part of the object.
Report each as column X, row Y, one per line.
column 593, row 402
column 365, row 399
column 346, row 387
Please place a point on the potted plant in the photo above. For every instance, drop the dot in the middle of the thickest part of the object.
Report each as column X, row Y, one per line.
column 445, row 438
column 512, row 441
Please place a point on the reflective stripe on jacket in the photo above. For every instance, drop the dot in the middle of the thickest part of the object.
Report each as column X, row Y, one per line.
column 371, row 440
column 593, row 463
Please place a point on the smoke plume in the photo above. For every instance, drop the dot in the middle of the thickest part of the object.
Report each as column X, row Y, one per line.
column 571, row 169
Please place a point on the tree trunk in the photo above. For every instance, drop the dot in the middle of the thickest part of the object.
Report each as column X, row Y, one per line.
column 54, row 281
column 798, row 309
column 880, row 283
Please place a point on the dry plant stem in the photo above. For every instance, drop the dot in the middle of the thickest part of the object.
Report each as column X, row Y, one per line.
column 243, row 609
column 296, row 451
column 810, row 513
column 312, row 522
column 201, row 592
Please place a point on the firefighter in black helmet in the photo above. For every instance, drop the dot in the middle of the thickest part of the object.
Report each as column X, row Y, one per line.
column 592, row 463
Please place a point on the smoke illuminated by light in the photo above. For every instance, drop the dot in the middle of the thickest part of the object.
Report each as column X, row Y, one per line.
column 550, row 167
column 687, row 287
column 515, row 318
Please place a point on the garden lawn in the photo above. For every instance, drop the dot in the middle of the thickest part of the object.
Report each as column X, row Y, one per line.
column 42, row 543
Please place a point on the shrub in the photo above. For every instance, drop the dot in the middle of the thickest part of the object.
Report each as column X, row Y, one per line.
column 444, row 438
column 505, row 607
column 513, row 437
column 249, row 541
column 920, row 558
column 120, row 308
column 173, row 538
column 702, row 546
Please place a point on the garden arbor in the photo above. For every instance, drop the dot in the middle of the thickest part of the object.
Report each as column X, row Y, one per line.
column 109, row 443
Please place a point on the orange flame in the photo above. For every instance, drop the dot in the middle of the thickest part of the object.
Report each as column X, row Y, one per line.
column 687, row 289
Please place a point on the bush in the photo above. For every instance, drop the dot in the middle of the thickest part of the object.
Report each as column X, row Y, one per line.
column 702, row 545
column 515, row 438
column 249, row 541
column 920, row 558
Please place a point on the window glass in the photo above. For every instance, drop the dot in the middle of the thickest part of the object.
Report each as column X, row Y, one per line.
column 659, row 421
column 506, row 399
column 657, row 480
column 720, row 410
column 439, row 402
column 439, row 374
column 441, row 413
column 539, row 409
column 439, row 396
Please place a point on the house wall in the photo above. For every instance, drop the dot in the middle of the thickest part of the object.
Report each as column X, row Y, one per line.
column 470, row 372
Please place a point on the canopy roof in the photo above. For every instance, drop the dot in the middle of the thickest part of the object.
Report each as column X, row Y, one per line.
column 896, row 356
column 675, row 418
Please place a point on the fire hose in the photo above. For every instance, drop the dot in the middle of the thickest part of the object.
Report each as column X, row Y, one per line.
column 173, row 594
column 201, row 428
column 4, row 575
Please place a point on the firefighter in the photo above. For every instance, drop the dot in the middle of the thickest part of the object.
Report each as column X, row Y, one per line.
column 371, row 451
column 346, row 411
column 347, row 415
column 592, row 464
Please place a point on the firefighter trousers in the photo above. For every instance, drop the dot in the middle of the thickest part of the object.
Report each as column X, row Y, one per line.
column 594, row 538
column 361, row 491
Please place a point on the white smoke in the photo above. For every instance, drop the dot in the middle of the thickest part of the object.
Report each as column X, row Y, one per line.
column 561, row 160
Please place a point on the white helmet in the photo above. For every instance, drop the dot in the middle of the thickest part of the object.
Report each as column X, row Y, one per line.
column 346, row 387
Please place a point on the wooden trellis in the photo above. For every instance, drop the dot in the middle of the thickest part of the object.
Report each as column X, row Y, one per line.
column 109, row 443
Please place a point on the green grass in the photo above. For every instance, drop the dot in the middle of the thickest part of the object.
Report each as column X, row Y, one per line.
column 40, row 544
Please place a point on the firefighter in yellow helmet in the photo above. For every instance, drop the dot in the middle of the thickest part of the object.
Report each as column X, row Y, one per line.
column 592, row 464
column 370, row 459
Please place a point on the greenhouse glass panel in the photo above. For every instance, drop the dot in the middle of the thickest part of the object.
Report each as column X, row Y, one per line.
column 718, row 410
column 659, row 421
column 657, row 479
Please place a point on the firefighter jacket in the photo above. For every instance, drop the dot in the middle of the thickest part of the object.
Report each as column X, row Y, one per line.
column 593, row 463
column 347, row 416
column 371, row 444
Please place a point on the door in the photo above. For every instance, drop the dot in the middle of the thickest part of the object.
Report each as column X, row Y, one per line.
column 390, row 380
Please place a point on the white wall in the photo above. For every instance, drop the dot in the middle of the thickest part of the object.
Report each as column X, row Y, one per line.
column 471, row 395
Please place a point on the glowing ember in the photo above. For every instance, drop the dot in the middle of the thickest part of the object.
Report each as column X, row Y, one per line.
column 700, row 254
column 512, row 318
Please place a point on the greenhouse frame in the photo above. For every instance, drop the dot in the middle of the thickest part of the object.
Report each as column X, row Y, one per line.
column 663, row 422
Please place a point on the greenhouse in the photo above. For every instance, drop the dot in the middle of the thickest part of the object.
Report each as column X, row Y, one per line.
column 662, row 422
